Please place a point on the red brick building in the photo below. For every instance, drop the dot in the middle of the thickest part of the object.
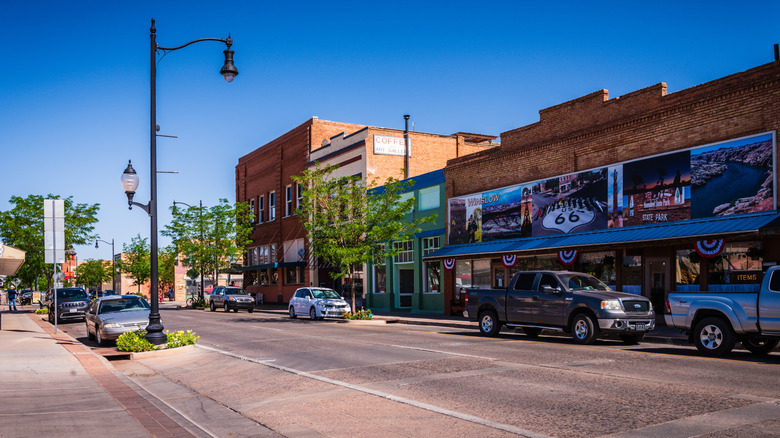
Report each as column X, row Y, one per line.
column 277, row 262
column 631, row 183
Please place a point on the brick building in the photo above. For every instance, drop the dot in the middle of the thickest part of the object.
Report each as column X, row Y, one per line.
column 632, row 184
column 277, row 261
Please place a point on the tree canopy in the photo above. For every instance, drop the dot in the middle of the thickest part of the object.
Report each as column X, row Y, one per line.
column 136, row 261
column 210, row 238
column 93, row 273
column 350, row 222
column 22, row 227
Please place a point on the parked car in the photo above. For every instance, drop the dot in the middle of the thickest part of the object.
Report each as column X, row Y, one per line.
column 231, row 297
column 318, row 303
column 716, row 321
column 72, row 303
column 101, row 293
column 110, row 316
column 571, row 302
column 25, row 298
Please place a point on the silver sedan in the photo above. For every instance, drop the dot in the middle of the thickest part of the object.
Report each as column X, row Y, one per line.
column 110, row 316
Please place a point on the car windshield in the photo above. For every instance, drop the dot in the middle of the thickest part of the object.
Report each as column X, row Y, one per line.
column 235, row 291
column 71, row 294
column 325, row 293
column 583, row 282
column 123, row 305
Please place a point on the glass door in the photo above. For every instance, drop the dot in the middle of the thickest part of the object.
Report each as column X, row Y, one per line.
column 657, row 282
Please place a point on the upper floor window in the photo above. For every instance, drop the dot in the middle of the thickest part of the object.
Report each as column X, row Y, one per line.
column 429, row 198
column 261, row 209
column 430, row 244
column 272, row 206
column 405, row 197
column 288, row 201
column 405, row 251
column 299, row 189
column 252, row 211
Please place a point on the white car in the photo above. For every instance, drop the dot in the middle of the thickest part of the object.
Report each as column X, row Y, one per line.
column 318, row 303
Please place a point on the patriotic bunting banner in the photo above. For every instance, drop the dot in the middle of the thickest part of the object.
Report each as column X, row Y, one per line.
column 509, row 260
column 567, row 257
column 709, row 248
column 449, row 264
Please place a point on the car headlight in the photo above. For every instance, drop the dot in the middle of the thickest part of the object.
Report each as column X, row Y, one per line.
column 112, row 325
column 611, row 305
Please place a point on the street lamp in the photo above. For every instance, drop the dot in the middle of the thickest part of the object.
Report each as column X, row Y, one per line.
column 200, row 221
column 113, row 268
column 129, row 179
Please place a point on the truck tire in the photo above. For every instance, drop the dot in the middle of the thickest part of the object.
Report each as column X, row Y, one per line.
column 583, row 330
column 760, row 344
column 489, row 325
column 714, row 337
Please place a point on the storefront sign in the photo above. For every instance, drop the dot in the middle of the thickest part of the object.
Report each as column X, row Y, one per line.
column 385, row 145
column 694, row 183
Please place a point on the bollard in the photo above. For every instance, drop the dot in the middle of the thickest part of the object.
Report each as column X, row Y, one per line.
column 1, row 320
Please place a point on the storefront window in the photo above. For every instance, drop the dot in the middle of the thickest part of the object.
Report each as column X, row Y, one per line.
column 380, row 279
column 294, row 275
column 737, row 268
column 600, row 265
column 632, row 274
column 481, row 273
column 274, row 275
column 432, row 277
column 688, row 267
column 462, row 276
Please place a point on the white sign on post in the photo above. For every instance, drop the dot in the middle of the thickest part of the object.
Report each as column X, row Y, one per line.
column 54, row 230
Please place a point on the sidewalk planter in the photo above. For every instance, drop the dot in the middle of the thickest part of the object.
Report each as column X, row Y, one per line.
column 162, row 353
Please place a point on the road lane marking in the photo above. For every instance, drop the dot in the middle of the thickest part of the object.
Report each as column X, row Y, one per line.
column 391, row 397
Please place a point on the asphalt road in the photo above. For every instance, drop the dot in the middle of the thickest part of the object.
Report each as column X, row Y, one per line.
column 327, row 378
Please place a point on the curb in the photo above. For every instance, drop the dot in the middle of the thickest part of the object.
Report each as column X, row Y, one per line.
column 161, row 353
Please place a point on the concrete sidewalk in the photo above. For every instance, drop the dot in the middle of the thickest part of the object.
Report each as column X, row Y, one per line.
column 51, row 384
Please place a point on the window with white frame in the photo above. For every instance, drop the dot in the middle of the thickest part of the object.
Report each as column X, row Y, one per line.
column 299, row 195
column 405, row 197
column 252, row 210
column 432, row 272
column 272, row 206
column 288, row 201
column 405, row 251
column 430, row 244
column 429, row 198
column 261, row 209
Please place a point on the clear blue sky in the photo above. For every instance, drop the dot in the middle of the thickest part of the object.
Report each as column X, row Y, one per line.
column 74, row 105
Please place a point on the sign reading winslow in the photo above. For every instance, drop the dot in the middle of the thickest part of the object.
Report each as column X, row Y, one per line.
column 731, row 177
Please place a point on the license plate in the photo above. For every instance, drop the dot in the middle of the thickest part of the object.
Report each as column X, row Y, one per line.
column 73, row 310
column 640, row 326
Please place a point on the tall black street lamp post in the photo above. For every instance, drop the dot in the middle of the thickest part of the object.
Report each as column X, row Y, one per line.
column 129, row 180
column 200, row 221
column 113, row 267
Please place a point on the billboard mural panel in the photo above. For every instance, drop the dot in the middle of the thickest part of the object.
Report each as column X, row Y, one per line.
column 694, row 183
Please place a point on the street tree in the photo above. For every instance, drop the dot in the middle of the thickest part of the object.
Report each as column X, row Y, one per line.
column 136, row 261
column 22, row 227
column 93, row 273
column 166, row 269
column 210, row 238
column 350, row 222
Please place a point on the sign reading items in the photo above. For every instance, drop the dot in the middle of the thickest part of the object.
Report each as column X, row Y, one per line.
column 732, row 177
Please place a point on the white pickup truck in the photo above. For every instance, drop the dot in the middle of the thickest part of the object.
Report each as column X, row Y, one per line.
column 716, row 321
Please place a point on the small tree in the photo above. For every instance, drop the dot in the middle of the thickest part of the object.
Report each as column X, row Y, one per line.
column 136, row 261
column 166, row 269
column 93, row 273
column 347, row 224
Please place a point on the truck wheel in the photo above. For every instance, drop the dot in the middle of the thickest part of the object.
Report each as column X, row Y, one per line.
column 714, row 337
column 632, row 339
column 489, row 325
column 760, row 344
column 583, row 330
column 532, row 332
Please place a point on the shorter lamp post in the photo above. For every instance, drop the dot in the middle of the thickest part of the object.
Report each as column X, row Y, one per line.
column 200, row 220
column 113, row 267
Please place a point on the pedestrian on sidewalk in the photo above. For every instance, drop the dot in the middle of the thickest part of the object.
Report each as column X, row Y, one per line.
column 11, row 298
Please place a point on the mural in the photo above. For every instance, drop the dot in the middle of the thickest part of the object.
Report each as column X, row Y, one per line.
column 677, row 186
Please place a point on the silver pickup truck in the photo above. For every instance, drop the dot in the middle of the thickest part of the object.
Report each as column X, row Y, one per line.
column 716, row 321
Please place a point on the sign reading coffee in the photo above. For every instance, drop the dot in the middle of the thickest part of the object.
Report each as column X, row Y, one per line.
column 694, row 183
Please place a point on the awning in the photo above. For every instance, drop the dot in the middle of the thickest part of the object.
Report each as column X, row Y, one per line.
column 11, row 259
column 269, row 266
column 700, row 228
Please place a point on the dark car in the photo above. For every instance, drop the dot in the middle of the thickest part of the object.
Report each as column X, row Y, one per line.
column 231, row 297
column 25, row 298
column 72, row 303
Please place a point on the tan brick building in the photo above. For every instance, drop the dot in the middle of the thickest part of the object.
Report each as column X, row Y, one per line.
column 631, row 183
column 277, row 262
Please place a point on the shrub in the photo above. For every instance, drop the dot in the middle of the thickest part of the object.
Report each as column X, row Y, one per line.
column 134, row 342
column 42, row 311
column 360, row 314
column 200, row 303
column 181, row 338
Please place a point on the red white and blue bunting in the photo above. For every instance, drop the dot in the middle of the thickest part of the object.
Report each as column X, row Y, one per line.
column 567, row 257
column 449, row 264
column 709, row 248
column 509, row 260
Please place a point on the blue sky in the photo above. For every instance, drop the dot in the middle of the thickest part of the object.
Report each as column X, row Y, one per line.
column 74, row 105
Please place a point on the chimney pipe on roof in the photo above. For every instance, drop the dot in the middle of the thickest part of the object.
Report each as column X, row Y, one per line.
column 777, row 53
